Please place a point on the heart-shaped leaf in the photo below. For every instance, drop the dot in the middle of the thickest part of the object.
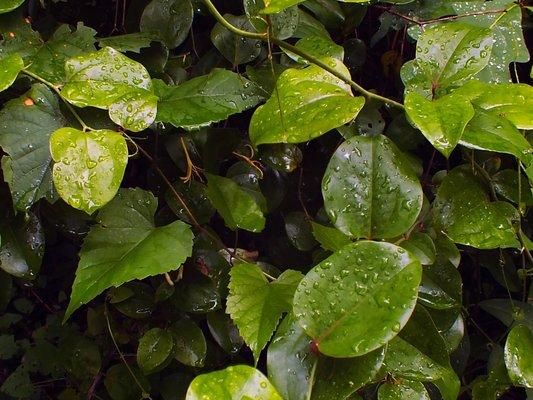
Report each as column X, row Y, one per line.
column 463, row 211
column 379, row 278
column 89, row 166
column 370, row 189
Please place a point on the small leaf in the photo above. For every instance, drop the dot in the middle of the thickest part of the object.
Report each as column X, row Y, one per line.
column 236, row 205
column 379, row 278
column 206, row 99
column 191, row 347
column 236, row 382
column 442, row 121
column 370, row 190
column 125, row 245
column 236, row 49
column 255, row 305
column 168, row 20
column 405, row 390
column 107, row 79
column 519, row 356
column 133, row 42
column 463, row 211
column 155, row 347
column 330, row 238
column 89, row 166
column 10, row 67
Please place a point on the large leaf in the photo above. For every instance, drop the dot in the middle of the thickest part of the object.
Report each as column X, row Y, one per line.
column 126, row 245
column 168, row 20
column 89, row 166
column 465, row 214
column 306, row 104
column 359, row 298
column 238, row 206
column 236, row 49
column 256, row 305
column 205, row 99
column 519, row 356
column 370, row 189
column 26, row 124
column 236, row 382
column 442, row 121
column 10, row 67
column 107, row 79
column 49, row 61
column 446, row 55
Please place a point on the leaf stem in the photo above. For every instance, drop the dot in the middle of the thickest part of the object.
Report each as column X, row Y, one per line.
column 56, row 89
column 293, row 49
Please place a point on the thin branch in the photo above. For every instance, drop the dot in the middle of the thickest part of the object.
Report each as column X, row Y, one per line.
column 293, row 49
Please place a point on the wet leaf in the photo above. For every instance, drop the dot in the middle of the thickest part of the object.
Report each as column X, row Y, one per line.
column 167, row 20
column 506, row 185
column 370, row 190
column 421, row 246
column 518, row 355
column 190, row 342
column 330, row 238
column 236, row 49
column 405, row 390
column 133, row 42
column 281, row 25
column 155, row 347
column 275, row 6
column 224, row 331
column 327, row 306
column 10, row 67
column 256, row 305
column 125, row 245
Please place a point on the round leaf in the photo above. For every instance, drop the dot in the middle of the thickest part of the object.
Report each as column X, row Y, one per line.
column 191, row 347
column 370, row 190
column 359, row 298
column 155, row 347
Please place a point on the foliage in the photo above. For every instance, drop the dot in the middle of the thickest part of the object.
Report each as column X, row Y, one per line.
column 266, row 199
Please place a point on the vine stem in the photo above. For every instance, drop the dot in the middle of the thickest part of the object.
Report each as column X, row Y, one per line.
column 265, row 37
column 56, row 89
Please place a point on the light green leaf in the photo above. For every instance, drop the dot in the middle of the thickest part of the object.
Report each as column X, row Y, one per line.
column 404, row 390
column 125, row 245
column 441, row 121
column 49, row 61
column 379, row 278
column 306, row 104
column 10, row 67
column 108, row 79
column 206, row 99
column 370, row 189
column 236, row 382
column 255, row 305
column 168, row 20
column 155, row 348
column 133, row 42
column 519, row 356
column 421, row 246
column 330, row 238
column 236, row 49
column 446, row 55
column 26, row 124
column 463, row 211
column 238, row 206
column 9, row 5
column 89, row 166
column 275, row 6
column 488, row 131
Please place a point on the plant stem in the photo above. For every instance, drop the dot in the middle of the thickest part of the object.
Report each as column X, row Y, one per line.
column 56, row 89
column 293, row 49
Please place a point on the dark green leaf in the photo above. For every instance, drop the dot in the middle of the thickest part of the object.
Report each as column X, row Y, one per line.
column 155, row 347
column 236, row 49
column 190, row 342
column 168, row 20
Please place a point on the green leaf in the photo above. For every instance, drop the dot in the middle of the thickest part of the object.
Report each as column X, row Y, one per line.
column 330, row 238
column 441, row 286
column 298, row 229
column 441, row 121
column 405, row 390
column 109, row 80
column 206, row 99
column 10, row 67
column 370, row 190
column 379, row 278
column 275, row 6
column 508, row 311
column 155, row 347
column 9, row 5
column 89, row 166
column 496, row 382
column 191, row 347
column 256, row 306
column 488, row 131
column 125, row 245
column 26, row 124
column 519, row 356
column 237, row 205
column 236, row 49
column 224, row 331
column 168, row 20
column 463, row 211
column 447, row 54
column 49, row 61
column 18, row 37
column 322, row 99
column 506, row 185
column 281, row 25
column 421, row 246
column 133, row 42
column 236, row 382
